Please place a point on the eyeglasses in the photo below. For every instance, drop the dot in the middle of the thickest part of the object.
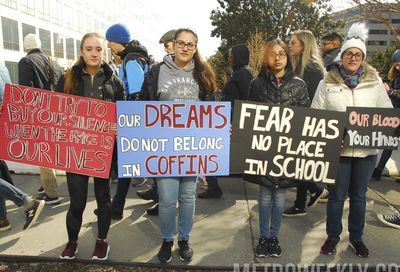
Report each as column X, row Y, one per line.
column 182, row 44
column 350, row 55
column 280, row 55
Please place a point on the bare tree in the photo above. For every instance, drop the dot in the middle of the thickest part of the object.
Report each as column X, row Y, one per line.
column 255, row 43
column 378, row 10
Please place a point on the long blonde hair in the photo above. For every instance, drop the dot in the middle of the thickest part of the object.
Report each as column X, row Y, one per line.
column 310, row 52
column 70, row 75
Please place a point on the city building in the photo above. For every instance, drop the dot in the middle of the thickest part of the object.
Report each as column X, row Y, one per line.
column 379, row 36
column 61, row 24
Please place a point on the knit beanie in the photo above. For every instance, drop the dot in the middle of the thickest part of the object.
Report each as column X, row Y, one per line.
column 358, row 33
column 32, row 41
column 118, row 33
column 396, row 56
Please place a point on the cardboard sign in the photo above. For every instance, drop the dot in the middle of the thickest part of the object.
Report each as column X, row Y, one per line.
column 286, row 142
column 372, row 128
column 172, row 138
column 57, row 130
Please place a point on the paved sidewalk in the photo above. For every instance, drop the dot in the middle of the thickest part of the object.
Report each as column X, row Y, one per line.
column 225, row 230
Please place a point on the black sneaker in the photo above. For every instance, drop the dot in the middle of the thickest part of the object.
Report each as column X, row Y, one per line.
column 211, row 193
column 41, row 190
column 49, row 200
column 148, row 194
column 324, row 197
column 359, row 248
column 165, row 253
column 391, row 220
column 273, row 247
column 185, row 252
column 262, row 248
column 32, row 213
column 329, row 247
column 316, row 197
column 153, row 211
column 293, row 212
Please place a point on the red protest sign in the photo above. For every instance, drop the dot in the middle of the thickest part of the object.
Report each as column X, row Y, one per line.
column 57, row 130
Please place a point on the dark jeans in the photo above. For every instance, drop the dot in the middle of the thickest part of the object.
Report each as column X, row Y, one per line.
column 352, row 180
column 5, row 173
column 118, row 201
column 78, row 189
column 212, row 183
column 301, row 194
column 386, row 154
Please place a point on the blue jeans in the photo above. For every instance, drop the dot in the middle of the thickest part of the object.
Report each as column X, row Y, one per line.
column 10, row 192
column 271, row 204
column 172, row 190
column 352, row 179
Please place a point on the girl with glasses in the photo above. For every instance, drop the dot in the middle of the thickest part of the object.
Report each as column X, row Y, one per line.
column 275, row 84
column 192, row 80
column 351, row 82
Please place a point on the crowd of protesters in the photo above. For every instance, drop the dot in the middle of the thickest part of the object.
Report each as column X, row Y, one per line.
column 332, row 77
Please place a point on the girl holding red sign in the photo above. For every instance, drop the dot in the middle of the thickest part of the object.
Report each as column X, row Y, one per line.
column 90, row 77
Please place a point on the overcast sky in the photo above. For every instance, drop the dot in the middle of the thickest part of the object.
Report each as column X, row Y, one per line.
column 195, row 14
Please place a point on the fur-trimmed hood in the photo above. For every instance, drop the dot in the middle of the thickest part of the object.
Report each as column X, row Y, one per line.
column 370, row 74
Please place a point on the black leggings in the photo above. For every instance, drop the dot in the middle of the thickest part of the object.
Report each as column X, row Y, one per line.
column 78, row 188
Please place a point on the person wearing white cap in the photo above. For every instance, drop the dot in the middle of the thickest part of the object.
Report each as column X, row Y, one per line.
column 351, row 82
column 38, row 70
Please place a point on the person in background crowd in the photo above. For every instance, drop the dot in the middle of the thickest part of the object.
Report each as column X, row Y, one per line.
column 4, row 78
column 276, row 84
column 391, row 220
column 393, row 91
column 330, row 47
column 7, row 188
column 39, row 70
column 150, row 193
column 132, row 70
column 350, row 82
column 187, row 63
column 90, row 71
column 236, row 87
column 10, row 192
column 307, row 64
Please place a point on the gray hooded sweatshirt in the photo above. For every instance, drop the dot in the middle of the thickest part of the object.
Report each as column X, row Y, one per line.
column 176, row 84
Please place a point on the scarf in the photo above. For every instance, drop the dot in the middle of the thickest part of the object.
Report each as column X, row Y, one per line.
column 351, row 81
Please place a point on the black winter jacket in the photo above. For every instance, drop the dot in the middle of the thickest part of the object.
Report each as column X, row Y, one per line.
column 113, row 88
column 291, row 92
column 237, row 86
column 34, row 70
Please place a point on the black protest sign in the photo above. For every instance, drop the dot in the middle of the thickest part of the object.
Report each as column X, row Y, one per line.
column 372, row 128
column 286, row 142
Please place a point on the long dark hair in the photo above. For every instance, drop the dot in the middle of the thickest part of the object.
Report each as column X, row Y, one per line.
column 70, row 75
column 202, row 73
